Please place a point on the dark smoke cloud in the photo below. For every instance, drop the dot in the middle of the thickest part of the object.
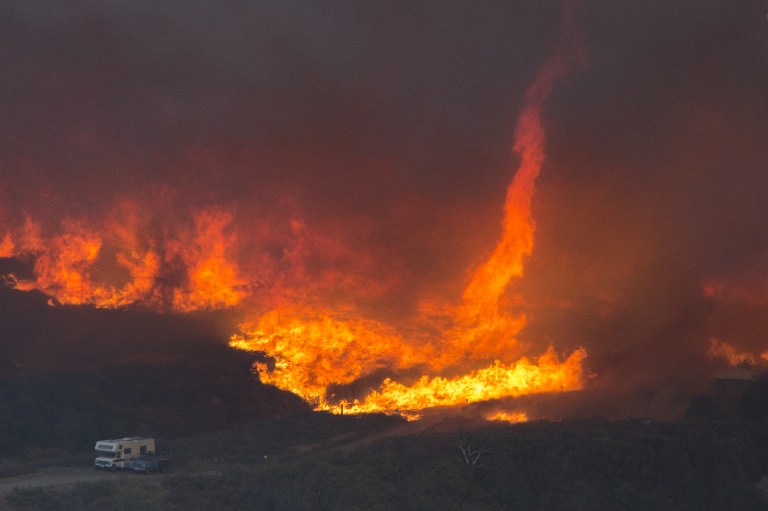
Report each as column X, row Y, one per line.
column 654, row 185
column 389, row 127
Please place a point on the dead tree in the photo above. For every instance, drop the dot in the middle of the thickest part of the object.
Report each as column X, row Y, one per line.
column 470, row 455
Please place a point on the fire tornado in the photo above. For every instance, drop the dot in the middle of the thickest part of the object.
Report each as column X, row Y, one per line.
column 395, row 208
column 315, row 349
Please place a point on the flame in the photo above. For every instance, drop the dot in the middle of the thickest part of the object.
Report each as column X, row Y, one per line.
column 304, row 317
column 214, row 278
column 722, row 349
column 474, row 357
column 7, row 246
column 115, row 264
column 546, row 374
column 511, row 417
column 62, row 270
column 490, row 280
column 314, row 350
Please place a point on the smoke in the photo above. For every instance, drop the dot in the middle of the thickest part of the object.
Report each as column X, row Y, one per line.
column 650, row 191
column 362, row 154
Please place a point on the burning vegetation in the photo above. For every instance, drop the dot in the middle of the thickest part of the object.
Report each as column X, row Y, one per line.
column 477, row 345
column 337, row 208
column 475, row 356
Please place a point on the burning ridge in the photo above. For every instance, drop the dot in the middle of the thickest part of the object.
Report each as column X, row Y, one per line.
column 315, row 349
column 333, row 356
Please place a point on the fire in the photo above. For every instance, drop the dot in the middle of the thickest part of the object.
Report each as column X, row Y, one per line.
column 718, row 348
column 546, row 374
column 314, row 350
column 490, row 281
column 303, row 305
column 115, row 264
column 214, row 278
column 475, row 357
column 63, row 269
column 511, row 417
column 7, row 246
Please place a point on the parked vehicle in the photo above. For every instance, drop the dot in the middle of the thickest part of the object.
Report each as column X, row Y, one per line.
column 149, row 463
column 115, row 454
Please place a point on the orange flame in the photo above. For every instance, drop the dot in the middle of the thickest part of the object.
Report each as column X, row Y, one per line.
column 722, row 349
column 495, row 381
column 214, row 280
column 453, row 355
column 490, row 281
column 111, row 264
column 511, row 417
column 7, row 246
column 314, row 350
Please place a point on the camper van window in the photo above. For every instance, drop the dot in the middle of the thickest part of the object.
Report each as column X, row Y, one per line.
column 143, row 449
column 127, row 450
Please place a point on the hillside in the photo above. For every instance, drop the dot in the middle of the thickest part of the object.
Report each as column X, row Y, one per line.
column 212, row 388
column 324, row 462
column 240, row 444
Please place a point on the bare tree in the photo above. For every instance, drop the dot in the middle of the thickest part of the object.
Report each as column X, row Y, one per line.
column 469, row 454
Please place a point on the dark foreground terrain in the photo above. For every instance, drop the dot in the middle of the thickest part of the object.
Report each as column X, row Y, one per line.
column 74, row 376
column 317, row 461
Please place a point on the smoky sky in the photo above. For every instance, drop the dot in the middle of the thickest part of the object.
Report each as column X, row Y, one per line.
column 389, row 126
column 318, row 100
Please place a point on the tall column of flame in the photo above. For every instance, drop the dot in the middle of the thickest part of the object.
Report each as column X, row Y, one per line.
column 315, row 349
column 490, row 280
column 485, row 326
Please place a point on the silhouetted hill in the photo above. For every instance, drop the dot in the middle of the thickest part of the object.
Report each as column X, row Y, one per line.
column 37, row 337
column 211, row 388
column 72, row 374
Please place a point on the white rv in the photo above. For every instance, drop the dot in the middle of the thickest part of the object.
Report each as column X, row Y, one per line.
column 114, row 454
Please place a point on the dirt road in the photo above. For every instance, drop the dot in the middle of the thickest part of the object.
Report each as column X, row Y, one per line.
column 67, row 476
